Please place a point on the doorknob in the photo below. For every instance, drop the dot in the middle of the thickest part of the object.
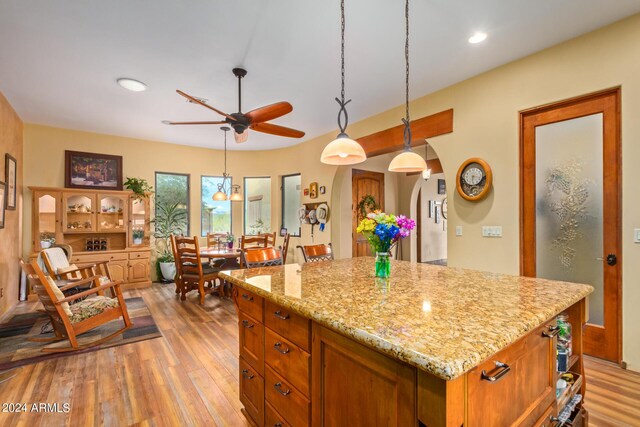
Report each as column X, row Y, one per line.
column 611, row 259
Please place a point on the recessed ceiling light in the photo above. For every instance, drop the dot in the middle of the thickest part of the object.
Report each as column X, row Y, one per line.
column 477, row 38
column 132, row 85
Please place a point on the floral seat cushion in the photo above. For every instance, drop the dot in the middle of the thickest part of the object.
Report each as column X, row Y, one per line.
column 91, row 307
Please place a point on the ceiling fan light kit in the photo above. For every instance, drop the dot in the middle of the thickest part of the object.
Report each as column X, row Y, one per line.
column 343, row 150
column 408, row 160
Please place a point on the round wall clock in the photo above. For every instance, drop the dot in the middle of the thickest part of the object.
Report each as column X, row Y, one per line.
column 474, row 179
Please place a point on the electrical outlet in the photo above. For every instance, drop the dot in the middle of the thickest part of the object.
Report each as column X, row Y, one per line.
column 492, row 231
column 636, row 235
column 458, row 230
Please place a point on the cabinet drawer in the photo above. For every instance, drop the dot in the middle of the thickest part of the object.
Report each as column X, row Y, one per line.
column 251, row 338
column 519, row 392
column 139, row 255
column 288, row 360
column 88, row 259
column 545, row 419
column 289, row 325
column 252, row 392
column 285, row 399
column 273, row 419
column 249, row 303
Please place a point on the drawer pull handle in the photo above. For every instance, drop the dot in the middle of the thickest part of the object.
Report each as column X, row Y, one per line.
column 278, row 347
column 553, row 331
column 247, row 325
column 278, row 386
column 247, row 375
column 247, row 297
column 504, row 370
column 281, row 316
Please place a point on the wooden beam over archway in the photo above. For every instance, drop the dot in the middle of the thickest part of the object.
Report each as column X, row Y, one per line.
column 391, row 140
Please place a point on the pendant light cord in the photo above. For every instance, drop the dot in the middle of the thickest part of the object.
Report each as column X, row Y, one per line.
column 407, row 119
column 342, row 113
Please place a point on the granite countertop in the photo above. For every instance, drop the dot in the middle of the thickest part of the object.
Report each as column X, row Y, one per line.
column 442, row 320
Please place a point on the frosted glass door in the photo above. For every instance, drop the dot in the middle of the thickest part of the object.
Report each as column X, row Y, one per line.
column 569, row 205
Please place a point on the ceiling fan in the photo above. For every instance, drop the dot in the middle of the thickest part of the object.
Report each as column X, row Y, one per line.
column 254, row 119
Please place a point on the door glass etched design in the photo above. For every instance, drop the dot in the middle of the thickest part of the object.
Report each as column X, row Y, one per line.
column 569, row 211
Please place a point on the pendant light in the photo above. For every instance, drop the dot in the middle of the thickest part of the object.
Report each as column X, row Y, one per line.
column 426, row 174
column 408, row 160
column 343, row 150
column 225, row 187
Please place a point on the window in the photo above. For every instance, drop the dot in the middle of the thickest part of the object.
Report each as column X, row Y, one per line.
column 257, row 205
column 291, row 185
column 215, row 217
column 172, row 192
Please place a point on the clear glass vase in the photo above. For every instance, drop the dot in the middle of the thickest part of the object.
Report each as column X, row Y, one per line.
column 383, row 264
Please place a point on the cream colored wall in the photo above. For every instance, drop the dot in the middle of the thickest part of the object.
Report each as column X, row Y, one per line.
column 434, row 236
column 11, row 246
column 485, row 125
column 44, row 166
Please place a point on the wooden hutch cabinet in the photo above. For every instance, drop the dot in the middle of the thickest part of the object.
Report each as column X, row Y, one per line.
column 99, row 225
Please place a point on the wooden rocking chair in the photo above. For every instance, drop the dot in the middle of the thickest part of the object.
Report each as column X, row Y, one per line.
column 69, row 321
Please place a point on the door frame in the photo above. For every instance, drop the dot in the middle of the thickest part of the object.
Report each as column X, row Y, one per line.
column 607, row 102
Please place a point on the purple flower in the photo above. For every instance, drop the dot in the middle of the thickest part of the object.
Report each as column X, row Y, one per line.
column 405, row 223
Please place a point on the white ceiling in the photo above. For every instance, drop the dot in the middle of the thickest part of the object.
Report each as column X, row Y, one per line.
column 59, row 59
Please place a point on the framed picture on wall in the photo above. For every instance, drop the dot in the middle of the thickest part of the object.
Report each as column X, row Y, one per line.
column 10, row 178
column 442, row 186
column 3, row 195
column 313, row 190
column 91, row 170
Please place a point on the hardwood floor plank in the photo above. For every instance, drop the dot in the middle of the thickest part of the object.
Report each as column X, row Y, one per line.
column 190, row 375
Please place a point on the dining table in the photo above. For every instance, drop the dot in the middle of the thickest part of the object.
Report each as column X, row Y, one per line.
column 230, row 260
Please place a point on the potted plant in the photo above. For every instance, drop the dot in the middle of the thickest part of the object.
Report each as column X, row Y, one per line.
column 46, row 240
column 139, row 186
column 138, row 235
column 230, row 240
column 170, row 219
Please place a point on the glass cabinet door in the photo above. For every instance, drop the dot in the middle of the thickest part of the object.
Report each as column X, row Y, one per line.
column 111, row 213
column 47, row 218
column 79, row 213
column 138, row 223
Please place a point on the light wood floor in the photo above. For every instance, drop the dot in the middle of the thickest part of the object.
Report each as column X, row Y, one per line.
column 189, row 376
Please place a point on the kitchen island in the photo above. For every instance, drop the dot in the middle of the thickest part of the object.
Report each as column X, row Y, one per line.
column 328, row 344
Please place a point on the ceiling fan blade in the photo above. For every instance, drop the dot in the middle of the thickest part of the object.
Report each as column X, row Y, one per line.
column 196, row 123
column 269, row 112
column 241, row 137
column 277, row 130
column 204, row 104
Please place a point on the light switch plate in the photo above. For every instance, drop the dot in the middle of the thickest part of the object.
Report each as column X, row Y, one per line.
column 458, row 230
column 636, row 235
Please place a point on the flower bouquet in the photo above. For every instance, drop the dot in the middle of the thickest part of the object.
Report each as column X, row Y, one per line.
column 383, row 231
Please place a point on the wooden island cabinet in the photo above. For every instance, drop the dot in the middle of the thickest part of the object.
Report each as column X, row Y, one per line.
column 357, row 352
column 98, row 225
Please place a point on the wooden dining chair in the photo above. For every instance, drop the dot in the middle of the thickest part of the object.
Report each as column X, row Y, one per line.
column 213, row 239
column 190, row 272
column 69, row 321
column 285, row 247
column 270, row 239
column 261, row 257
column 315, row 253
column 259, row 241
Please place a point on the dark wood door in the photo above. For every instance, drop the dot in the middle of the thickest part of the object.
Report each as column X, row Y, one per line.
column 364, row 183
column 580, row 200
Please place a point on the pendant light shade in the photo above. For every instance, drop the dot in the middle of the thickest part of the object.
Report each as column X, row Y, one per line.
column 407, row 161
column 235, row 194
column 343, row 151
column 219, row 196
